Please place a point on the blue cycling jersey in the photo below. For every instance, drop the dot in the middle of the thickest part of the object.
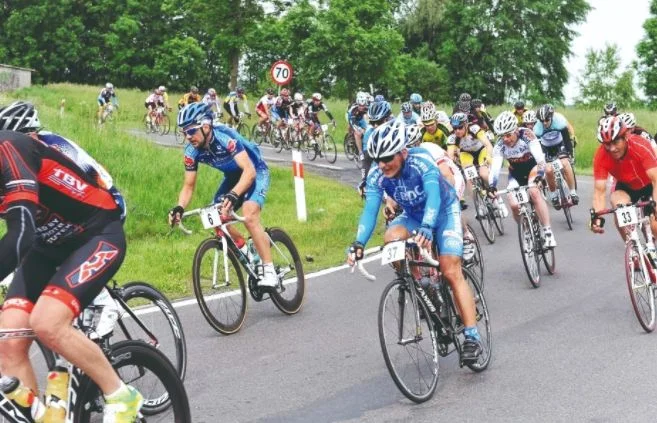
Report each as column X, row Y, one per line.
column 559, row 123
column 420, row 190
column 221, row 152
column 413, row 119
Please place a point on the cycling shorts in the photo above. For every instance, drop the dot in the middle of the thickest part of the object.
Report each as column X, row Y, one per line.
column 257, row 192
column 152, row 106
column 521, row 170
column 555, row 151
column 448, row 236
column 635, row 194
column 74, row 272
column 476, row 158
column 101, row 102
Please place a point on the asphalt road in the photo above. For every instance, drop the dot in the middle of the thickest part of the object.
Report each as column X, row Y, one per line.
column 571, row 350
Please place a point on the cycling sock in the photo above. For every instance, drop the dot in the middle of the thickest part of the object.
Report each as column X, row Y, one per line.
column 118, row 392
column 471, row 332
column 573, row 191
column 547, row 229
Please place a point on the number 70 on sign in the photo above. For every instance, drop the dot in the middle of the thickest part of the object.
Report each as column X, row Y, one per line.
column 281, row 72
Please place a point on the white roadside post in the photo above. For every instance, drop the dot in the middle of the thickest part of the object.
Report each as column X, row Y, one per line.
column 299, row 189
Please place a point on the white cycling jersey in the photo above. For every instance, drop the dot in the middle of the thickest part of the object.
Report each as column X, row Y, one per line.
column 440, row 156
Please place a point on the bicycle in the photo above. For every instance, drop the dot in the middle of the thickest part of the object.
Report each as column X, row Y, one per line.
column 242, row 127
column 531, row 236
column 218, row 277
column 350, row 148
column 157, row 121
column 640, row 258
column 262, row 132
column 322, row 143
column 298, row 137
column 419, row 291
column 107, row 115
column 487, row 212
column 563, row 192
column 134, row 361
column 281, row 138
column 476, row 263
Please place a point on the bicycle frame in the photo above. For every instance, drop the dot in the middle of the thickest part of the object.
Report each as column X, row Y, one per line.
column 560, row 181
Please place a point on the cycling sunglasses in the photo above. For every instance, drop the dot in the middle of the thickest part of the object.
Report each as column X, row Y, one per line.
column 386, row 159
column 191, row 131
column 458, row 127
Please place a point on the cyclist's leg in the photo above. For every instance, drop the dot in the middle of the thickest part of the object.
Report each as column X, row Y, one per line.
column 619, row 196
column 254, row 201
column 513, row 204
column 539, row 203
column 482, row 162
column 99, row 113
column 568, row 172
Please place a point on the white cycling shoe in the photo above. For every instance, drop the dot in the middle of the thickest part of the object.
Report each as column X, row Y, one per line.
column 269, row 278
column 548, row 240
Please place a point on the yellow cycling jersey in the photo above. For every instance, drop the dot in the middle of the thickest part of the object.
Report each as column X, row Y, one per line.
column 437, row 137
column 518, row 116
column 234, row 98
column 189, row 98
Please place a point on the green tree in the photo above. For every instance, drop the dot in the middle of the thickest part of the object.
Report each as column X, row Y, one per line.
column 647, row 53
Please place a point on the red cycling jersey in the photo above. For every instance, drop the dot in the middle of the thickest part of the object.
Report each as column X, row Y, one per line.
column 631, row 169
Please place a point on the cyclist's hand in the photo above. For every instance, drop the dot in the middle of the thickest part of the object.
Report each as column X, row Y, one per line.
column 175, row 214
column 540, row 176
column 424, row 237
column 492, row 192
column 596, row 223
column 390, row 209
column 355, row 253
column 361, row 189
column 230, row 201
column 649, row 209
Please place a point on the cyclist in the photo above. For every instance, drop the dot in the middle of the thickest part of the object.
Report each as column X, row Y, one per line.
column 408, row 115
column 212, row 100
column 630, row 159
column 528, row 119
column 280, row 113
column 191, row 97
column 106, row 95
column 152, row 102
column 468, row 145
column 313, row 107
column 609, row 109
column 433, row 211
column 433, row 132
column 65, row 239
column 630, row 122
column 416, row 102
column 356, row 118
column 264, row 105
column 519, row 111
column 480, row 116
column 165, row 96
column 464, row 104
column 231, row 102
column 245, row 183
column 298, row 107
column 555, row 134
column 521, row 148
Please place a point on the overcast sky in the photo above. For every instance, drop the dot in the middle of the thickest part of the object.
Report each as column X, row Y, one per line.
column 611, row 21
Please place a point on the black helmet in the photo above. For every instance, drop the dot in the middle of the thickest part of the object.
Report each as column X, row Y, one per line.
column 465, row 97
column 610, row 109
column 476, row 103
column 270, row 91
column 240, row 90
column 519, row 105
column 545, row 112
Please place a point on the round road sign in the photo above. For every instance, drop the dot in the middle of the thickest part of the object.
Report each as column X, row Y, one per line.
column 281, row 72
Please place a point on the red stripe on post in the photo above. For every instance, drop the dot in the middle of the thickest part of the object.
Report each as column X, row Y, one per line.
column 297, row 169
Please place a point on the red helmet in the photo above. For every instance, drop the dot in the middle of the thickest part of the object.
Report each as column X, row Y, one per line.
column 610, row 128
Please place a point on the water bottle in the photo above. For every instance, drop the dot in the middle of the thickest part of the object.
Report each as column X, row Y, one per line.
column 23, row 397
column 253, row 253
column 56, row 395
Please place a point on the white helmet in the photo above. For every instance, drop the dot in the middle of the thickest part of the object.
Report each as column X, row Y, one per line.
column 628, row 119
column 529, row 116
column 413, row 135
column 162, row 88
column 442, row 117
column 298, row 97
column 317, row 96
column 19, row 116
column 387, row 140
column 428, row 111
column 109, row 86
column 212, row 91
column 361, row 99
column 505, row 122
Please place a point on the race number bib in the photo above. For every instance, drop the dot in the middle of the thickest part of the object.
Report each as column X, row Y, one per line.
column 393, row 251
column 521, row 195
column 210, row 217
column 470, row 173
column 626, row 216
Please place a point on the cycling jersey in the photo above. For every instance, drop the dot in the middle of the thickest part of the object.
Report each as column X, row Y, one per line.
column 425, row 197
column 281, row 109
column 266, row 103
column 437, row 137
column 212, row 102
column 313, row 109
column 106, row 95
column 472, row 142
column 232, row 100
column 522, row 157
column 631, row 169
column 518, row 114
column 154, row 99
column 413, row 119
column 298, row 110
column 558, row 123
column 189, row 98
column 356, row 116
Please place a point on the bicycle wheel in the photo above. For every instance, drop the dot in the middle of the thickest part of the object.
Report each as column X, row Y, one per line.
column 408, row 342
column 146, row 369
column 498, row 219
column 483, row 322
column 244, row 130
column 165, row 125
column 288, row 297
column 477, row 263
column 279, row 142
column 147, row 124
column 528, row 250
column 329, row 149
column 257, row 133
column 485, row 219
column 309, row 147
column 159, row 316
column 640, row 276
column 219, row 286
column 566, row 204
column 348, row 145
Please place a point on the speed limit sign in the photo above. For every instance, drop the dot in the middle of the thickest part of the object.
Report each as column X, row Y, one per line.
column 281, row 72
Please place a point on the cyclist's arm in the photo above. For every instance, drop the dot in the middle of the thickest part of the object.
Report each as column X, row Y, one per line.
column 431, row 184
column 537, row 151
column 652, row 174
column 481, row 135
column 246, row 105
column 373, row 196
column 496, row 166
column 115, row 100
column 187, row 190
column 248, row 173
column 599, row 193
column 21, row 234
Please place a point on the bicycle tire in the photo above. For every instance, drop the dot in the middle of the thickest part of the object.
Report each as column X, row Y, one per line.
column 225, row 296
column 394, row 299
column 145, row 359
column 244, row 130
column 147, row 125
column 566, row 205
column 165, row 125
column 528, row 250
column 477, row 266
column 280, row 140
column 329, row 149
column 309, row 148
column 349, row 146
column 288, row 262
column 497, row 213
column 483, row 322
column 258, row 135
column 172, row 343
column 485, row 221
column 641, row 290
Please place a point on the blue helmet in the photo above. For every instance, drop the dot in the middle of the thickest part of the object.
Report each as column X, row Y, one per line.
column 378, row 98
column 416, row 98
column 194, row 113
column 379, row 110
column 458, row 119
column 406, row 107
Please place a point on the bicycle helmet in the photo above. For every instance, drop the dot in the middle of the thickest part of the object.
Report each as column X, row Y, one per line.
column 387, row 140
column 476, row 103
column 505, row 123
column 361, row 99
column 298, row 97
column 416, row 98
column 519, row 105
column 270, row 91
column 406, row 107
column 19, row 116
column 545, row 112
column 465, row 97
column 427, row 112
column 413, row 135
column 317, row 96
column 109, row 86
column 378, row 98
column 194, row 113
column 628, row 119
column 285, row 92
column 610, row 128
column 529, row 116
column 458, row 120
column 162, row 88
column 464, row 106
column 194, row 89
column 441, row 116
column 240, row 90
column 379, row 110
column 212, row 92
column 610, row 109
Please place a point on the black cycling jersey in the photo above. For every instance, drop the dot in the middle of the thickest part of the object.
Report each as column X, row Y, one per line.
column 313, row 109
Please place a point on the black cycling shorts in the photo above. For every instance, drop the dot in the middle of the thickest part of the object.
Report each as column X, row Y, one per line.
column 520, row 171
column 635, row 194
column 74, row 272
